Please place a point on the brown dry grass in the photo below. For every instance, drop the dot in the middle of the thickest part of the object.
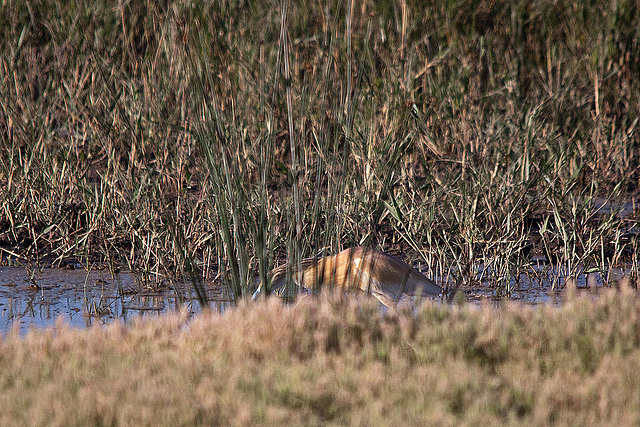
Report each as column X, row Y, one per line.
column 335, row 362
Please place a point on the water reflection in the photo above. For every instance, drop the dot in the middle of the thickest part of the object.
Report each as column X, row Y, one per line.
column 84, row 298
column 545, row 284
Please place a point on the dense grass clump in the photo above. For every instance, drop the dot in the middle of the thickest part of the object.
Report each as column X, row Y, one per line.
column 335, row 362
column 206, row 138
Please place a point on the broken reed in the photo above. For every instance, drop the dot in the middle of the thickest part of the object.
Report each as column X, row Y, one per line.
column 204, row 138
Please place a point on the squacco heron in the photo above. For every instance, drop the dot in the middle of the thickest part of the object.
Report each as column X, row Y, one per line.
column 380, row 274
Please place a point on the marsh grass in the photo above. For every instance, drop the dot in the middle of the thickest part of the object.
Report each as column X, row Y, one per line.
column 335, row 361
column 213, row 140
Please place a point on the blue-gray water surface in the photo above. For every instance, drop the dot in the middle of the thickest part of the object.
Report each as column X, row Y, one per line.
column 84, row 298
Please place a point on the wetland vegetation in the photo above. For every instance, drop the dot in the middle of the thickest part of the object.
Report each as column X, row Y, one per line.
column 211, row 140
column 494, row 143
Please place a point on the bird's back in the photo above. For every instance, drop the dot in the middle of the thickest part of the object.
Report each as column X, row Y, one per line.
column 385, row 276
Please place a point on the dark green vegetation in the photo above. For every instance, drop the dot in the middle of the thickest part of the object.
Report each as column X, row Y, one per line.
column 201, row 138
column 330, row 362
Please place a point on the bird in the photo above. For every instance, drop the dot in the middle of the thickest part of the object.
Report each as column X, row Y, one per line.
column 382, row 275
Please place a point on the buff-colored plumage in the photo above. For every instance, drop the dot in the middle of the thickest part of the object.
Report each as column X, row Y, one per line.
column 380, row 274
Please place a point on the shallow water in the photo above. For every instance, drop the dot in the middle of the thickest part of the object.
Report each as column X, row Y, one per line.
column 545, row 285
column 83, row 299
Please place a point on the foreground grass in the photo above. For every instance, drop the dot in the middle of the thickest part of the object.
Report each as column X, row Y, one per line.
column 335, row 362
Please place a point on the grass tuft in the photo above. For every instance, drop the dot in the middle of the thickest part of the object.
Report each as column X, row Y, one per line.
column 335, row 361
